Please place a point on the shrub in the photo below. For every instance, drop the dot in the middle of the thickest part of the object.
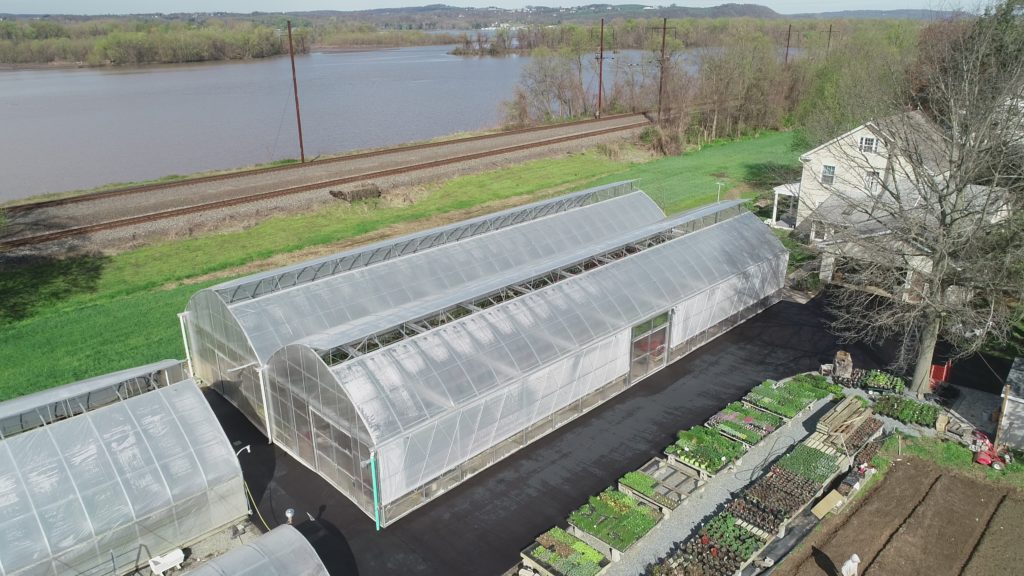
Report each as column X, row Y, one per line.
column 810, row 463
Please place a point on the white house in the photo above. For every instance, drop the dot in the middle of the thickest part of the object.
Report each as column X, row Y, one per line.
column 858, row 164
column 884, row 175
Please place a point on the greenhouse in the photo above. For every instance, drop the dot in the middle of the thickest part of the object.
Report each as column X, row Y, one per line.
column 282, row 551
column 397, row 372
column 103, row 474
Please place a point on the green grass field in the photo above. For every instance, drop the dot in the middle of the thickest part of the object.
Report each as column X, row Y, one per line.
column 66, row 320
column 680, row 183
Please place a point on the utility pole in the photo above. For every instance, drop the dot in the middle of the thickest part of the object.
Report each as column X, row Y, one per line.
column 295, row 89
column 789, row 35
column 661, row 69
column 600, row 72
column 828, row 46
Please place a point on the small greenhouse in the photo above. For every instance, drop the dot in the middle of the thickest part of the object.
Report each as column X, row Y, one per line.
column 401, row 377
column 101, row 475
column 283, row 551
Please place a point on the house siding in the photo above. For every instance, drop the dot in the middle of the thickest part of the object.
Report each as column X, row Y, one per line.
column 851, row 169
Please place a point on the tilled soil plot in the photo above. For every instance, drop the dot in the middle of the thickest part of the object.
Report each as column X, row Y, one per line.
column 937, row 539
column 869, row 527
column 999, row 553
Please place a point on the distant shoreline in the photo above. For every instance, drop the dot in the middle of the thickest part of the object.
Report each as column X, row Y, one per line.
column 64, row 65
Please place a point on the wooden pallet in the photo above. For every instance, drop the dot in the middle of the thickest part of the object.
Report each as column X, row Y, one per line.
column 848, row 409
column 820, row 442
column 842, row 421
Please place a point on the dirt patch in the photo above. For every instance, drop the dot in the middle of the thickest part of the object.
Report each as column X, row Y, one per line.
column 939, row 536
column 737, row 191
column 921, row 519
column 867, row 528
column 999, row 552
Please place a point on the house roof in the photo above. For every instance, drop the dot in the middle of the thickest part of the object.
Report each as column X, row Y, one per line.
column 1016, row 377
column 149, row 473
column 912, row 133
column 877, row 214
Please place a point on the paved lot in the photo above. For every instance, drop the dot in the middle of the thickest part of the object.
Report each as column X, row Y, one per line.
column 478, row 528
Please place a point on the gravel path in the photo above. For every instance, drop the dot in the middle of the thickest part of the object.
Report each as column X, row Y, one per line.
column 717, row 491
column 49, row 218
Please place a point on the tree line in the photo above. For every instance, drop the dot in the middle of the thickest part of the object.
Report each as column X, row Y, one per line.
column 723, row 78
column 121, row 41
column 135, row 40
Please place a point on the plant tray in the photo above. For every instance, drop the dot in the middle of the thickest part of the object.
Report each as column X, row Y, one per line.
column 558, row 553
column 705, row 449
column 615, row 519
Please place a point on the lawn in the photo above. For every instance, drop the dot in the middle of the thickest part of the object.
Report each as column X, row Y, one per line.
column 690, row 180
column 70, row 319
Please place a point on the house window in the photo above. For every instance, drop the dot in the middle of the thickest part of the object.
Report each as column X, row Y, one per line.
column 872, row 181
column 818, row 231
column 828, row 175
column 868, row 144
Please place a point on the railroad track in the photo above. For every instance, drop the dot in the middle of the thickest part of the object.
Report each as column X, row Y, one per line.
column 229, row 202
column 272, row 169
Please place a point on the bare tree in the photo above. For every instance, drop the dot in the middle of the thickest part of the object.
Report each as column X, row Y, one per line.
column 923, row 218
column 548, row 89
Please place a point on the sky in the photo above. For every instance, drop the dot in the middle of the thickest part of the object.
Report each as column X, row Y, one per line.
column 246, row 6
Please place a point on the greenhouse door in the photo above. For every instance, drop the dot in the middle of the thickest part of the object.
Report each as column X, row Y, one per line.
column 333, row 450
column 648, row 350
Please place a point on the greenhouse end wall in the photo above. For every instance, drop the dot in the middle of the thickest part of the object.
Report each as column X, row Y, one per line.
column 221, row 355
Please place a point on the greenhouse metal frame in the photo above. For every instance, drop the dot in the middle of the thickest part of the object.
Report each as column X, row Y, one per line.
column 47, row 406
column 103, row 490
column 431, row 366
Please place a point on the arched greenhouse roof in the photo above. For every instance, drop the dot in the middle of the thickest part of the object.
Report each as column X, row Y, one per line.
column 427, row 377
column 381, row 286
column 94, row 493
column 282, row 551
column 33, row 410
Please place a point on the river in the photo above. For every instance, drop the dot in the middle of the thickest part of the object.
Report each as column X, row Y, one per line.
column 69, row 129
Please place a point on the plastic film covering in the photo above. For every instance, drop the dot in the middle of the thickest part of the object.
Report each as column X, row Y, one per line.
column 282, row 551
column 230, row 343
column 46, row 406
column 352, row 332
column 434, row 400
column 264, row 283
column 97, row 493
column 374, row 292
